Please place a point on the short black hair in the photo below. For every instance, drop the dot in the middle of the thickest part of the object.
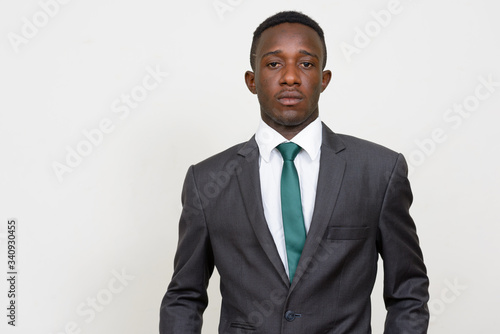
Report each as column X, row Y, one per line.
column 285, row 17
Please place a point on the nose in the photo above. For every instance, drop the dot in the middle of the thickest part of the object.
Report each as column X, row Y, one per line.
column 290, row 76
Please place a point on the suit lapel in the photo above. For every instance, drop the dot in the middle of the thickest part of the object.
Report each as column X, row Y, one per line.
column 331, row 173
column 249, row 182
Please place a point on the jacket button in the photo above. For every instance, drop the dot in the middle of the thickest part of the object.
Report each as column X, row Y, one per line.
column 290, row 316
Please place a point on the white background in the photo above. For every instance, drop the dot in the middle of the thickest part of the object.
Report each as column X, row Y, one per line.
column 117, row 209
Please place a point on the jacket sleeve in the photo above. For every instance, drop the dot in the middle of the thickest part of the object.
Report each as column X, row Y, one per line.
column 405, row 276
column 182, row 307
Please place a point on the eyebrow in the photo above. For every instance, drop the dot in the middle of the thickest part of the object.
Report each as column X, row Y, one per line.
column 271, row 53
column 309, row 54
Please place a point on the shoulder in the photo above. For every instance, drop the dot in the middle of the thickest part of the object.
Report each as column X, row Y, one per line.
column 352, row 145
column 221, row 157
column 369, row 161
column 361, row 153
column 355, row 145
column 229, row 160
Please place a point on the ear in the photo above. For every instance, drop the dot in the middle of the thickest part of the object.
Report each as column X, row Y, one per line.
column 327, row 76
column 250, row 81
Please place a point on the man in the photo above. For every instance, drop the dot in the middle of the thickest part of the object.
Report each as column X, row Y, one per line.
column 296, row 256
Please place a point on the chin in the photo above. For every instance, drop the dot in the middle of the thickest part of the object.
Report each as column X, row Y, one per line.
column 287, row 116
column 293, row 118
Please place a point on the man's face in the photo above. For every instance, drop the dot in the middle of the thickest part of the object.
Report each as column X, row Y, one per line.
column 288, row 76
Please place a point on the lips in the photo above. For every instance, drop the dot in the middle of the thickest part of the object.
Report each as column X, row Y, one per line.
column 289, row 98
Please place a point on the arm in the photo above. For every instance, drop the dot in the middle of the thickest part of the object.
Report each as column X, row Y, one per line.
column 405, row 278
column 186, row 298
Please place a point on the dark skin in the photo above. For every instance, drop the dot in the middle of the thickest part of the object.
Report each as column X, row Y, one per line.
column 288, row 77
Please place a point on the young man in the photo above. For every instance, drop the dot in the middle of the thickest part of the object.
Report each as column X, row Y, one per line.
column 294, row 219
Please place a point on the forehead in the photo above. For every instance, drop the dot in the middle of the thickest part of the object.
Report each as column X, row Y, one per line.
column 288, row 35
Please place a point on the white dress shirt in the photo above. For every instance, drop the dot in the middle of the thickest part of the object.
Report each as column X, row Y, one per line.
column 270, row 166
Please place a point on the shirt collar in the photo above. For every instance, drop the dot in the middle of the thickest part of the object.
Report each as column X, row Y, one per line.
column 309, row 139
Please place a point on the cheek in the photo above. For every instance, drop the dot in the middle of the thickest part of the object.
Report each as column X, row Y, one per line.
column 312, row 89
column 316, row 89
column 264, row 89
column 312, row 82
column 265, row 83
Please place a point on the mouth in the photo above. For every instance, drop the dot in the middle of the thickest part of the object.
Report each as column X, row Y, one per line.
column 289, row 98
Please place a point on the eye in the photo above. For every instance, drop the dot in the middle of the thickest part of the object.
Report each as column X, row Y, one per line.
column 307, row 64
column 273, row 64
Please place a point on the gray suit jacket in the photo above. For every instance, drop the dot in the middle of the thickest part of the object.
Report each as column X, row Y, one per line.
column 361, row 210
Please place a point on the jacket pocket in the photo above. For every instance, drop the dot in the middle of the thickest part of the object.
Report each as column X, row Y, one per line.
column 243, row 325
column 347, row 233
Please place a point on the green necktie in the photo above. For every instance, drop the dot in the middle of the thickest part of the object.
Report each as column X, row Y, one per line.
column 291, row 207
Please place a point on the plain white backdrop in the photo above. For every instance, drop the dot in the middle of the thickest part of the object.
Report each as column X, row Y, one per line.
column 105, row 104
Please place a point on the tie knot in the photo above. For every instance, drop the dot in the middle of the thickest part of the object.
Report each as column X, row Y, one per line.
column 289, row 150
